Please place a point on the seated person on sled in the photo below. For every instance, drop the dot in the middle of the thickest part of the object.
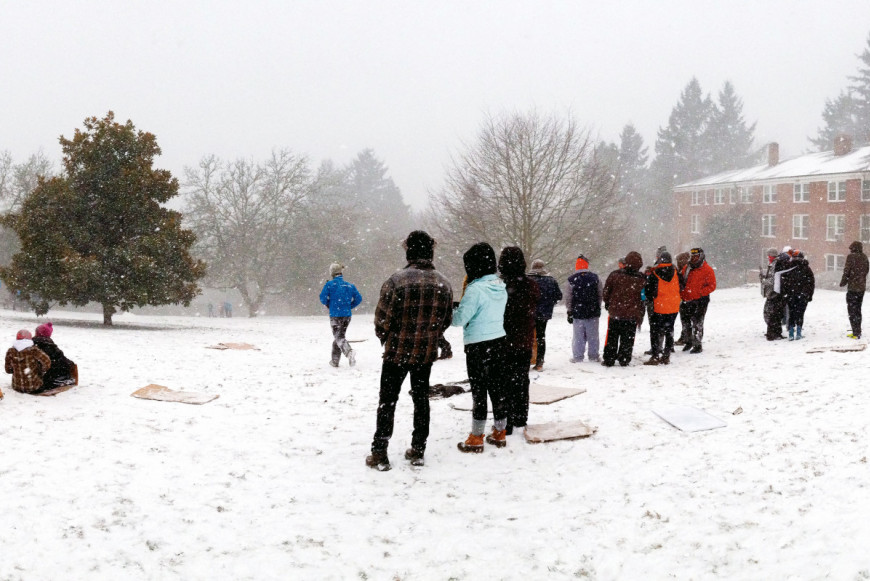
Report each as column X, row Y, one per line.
column 27, row 364
column 62, row 371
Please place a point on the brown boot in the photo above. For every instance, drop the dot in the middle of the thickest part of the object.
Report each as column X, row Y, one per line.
column 473, row 444
column 378, row 461
column 497, row 438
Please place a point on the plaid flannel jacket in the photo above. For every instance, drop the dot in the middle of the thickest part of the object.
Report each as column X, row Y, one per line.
column 415, row 307
column 27, row 368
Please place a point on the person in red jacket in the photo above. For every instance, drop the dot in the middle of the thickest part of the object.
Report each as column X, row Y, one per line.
column 698, row 281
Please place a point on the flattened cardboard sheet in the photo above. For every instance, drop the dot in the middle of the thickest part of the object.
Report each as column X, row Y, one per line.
column 163, row 393
column 571, row 430
column 688, row 418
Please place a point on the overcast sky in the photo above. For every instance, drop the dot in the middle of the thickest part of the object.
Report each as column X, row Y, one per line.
column 410, row 79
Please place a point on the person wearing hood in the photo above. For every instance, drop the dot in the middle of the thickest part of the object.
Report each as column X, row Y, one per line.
column 519, row 327
column 625, row 309
column 699, row 281
column 27, row 364
column 797, row 284
column 62, row 371
column 414, row 309
column 481, row 315
column 583, row 296
column 341, row 297
column 550, row 295
column 774, row 302
column 855, row 281
column 662, row 290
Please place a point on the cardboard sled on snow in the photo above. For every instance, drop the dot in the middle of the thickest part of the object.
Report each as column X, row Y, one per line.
column 163, row 393
column 74, row 373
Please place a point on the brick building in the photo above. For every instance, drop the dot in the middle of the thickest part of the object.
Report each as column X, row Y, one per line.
column 819, row 203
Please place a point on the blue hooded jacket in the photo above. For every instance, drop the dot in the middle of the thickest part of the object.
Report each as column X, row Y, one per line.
column 340, row 296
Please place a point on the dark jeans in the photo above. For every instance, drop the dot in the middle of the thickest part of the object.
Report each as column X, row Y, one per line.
column 620, row 340
column 797, row 306
column 485, row 364
column 854, row 300
column 339, row 343
column 661, row 333
column 684, row 324
column 541, row 340
column 392, row 377
column 695, row 312
column 774, row 310
column 516, row 375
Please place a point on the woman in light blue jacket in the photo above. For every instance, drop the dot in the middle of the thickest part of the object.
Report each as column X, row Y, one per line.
column 481, row 316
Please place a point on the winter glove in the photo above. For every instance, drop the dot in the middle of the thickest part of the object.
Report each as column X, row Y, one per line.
column 455, row 304
column 570, row 320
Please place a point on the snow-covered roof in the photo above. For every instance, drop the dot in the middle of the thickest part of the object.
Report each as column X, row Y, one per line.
column 824, row 163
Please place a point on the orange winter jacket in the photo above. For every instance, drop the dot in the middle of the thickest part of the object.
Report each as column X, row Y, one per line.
column 700, row 281
column 663, row 288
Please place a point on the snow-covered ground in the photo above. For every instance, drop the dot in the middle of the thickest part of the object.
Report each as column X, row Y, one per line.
column 268, row 481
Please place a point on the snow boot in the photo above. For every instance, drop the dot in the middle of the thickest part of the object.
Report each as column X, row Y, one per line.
column 351, row 358
column 696, row 349
column 687, row 346
column 539, row 367
column 334, row 363
column 474, row 444
column 665, row 360
column 378, row 461
column 798, row 335
column 497, row 438
column 415, row 457
column 652, row 361
column 791, row 333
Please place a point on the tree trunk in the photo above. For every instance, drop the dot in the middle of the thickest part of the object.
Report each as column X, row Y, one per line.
column 108, row 311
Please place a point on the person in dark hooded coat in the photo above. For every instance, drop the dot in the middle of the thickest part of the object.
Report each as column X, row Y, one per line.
column 625, row 309
column 662, row 291
column 519, row 326
column 797, row 285
column 855, row 280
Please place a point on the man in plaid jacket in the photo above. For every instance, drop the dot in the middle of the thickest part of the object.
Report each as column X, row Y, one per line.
column 414, row 310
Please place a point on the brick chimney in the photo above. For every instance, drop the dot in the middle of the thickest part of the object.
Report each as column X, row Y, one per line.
column 772, row 153
column 842, row 144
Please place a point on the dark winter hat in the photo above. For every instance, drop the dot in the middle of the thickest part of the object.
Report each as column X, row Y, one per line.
column 665, row 257
column 538, row 264
column 660, row 250
column 44, row 330
column 335, row 269
column 633, row 260
column 479, row 260
column 419, row 246
column 512, row 262
column 23, row 334
column 696, row 255
column 772, row 252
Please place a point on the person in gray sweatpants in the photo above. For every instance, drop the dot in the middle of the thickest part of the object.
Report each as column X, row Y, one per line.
column 582, row 294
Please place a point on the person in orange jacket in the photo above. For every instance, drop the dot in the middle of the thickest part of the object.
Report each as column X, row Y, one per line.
column 699, row 281
column 662, row 290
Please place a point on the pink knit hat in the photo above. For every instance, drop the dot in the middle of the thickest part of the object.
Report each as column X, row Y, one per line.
column 44, row 330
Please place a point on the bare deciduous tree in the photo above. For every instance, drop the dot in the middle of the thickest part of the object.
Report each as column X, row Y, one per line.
column 243, row 214
column 534, row 182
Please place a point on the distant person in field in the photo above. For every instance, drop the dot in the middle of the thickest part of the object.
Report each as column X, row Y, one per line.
column 855, row 281
column 550, row 295
column 340, row 297
column 625, row 309
column 583, row 295
column 798, row 285
column 62, row 370
column 699, row 281
column 774, row 303
column 414, row 309
column 27, row 364
column 662, row 291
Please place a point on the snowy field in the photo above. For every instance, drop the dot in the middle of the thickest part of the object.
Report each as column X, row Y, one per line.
column 269, row 481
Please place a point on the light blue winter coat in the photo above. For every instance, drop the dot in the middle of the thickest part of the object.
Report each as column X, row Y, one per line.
column 340, row 296
column 481, row 311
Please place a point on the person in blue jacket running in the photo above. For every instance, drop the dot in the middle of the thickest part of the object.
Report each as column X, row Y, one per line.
column 341, row 297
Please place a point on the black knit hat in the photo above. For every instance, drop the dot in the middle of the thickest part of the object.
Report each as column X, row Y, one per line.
column 419, row 246
column 479, row 261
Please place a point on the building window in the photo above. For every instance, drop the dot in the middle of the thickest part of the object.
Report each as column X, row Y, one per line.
column 696, row 224
column 836, row 191
column 769, row 194
column 800, row 226
column 865, row 228
column 719, row 197
column 801, row 193
column 696, row 198
column 744, row 194
column 836, row 227
column 865, row 190
column 732, row 196
column 835, row 261
column 768, row 225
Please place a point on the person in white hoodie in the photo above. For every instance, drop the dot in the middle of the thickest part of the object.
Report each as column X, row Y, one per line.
column 27, row 364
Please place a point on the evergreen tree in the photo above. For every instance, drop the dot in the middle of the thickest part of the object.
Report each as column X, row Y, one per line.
column 861, row 87
column 849, row 112
column 730, row 138
column 99, row 232
column 632, row 164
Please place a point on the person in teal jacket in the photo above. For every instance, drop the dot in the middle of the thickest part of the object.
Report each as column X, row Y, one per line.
column 341, row 297
column 481, row 316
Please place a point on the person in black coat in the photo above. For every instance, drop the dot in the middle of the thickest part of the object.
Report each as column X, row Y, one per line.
column 550, row 295
column 798, row 284
column 62, row 370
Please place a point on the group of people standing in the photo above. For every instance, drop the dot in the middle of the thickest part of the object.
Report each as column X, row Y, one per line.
column 504, row 311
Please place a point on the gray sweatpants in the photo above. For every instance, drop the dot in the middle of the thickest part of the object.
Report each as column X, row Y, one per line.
column 585, row 331
column 339, row 343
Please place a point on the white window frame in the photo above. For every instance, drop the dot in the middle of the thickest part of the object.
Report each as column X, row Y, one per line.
column 696, row 198
column 744, row 194
column 768, row 195
column 696, row 224
column 768, row 225
column 800, row 226
column 865, row 190
column 864, row 232
column 719, row 197
column 801, row 193
column 835, row 262
column 836, row 191
column 835, row 227
column 732, row 196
